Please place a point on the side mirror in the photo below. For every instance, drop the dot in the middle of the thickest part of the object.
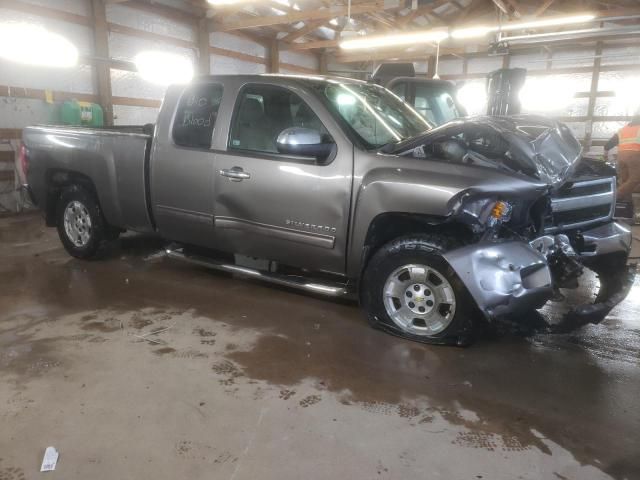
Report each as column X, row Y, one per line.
column 305, row 142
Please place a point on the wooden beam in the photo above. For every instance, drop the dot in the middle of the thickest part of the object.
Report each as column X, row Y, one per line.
column 501, row 6
column 204, row 56
column 591, row 107
column 315, row 44
column 420, row 11
column 323, row 63
column 317, row 14
column 301, row 32
column 7, row 175
column 61, row 96
column 245, row 57
column 101, row 50
column 543, row 8
column 137, row 102
column 39, row 94
column 515, row 7
column 165, row 11
column 297, row 68
column 136, row 32
column 10, row 133
column 7, row 156
column 274, row 57
column 472, row 8
column 386, row 55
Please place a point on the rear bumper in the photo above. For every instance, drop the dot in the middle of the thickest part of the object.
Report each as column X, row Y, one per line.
column 26, row 188
column 511, row 277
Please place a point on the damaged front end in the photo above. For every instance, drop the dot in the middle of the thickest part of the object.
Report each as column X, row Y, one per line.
column 509, row 278
column 537, row 233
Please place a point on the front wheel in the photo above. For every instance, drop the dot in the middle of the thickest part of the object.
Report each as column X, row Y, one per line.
column 81, row 226
column 408, row 289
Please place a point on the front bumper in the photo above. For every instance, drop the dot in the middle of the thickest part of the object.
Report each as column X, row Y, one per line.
column 513, row 277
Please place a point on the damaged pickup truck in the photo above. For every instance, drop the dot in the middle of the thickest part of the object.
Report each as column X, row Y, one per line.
column 339, row 188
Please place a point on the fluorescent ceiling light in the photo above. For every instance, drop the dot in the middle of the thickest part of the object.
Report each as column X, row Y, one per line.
column 426, row 36
column 549, row 22
column 482, row 30
column 34, row 45
column 164, row 68
column 472, row 32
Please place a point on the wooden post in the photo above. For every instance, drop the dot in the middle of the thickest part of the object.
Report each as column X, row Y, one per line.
column 593, row 95
column 323, row 62
column 431, row 66
column 101, row 51
column 274, row 56
column 506, row 60
column 204, row 50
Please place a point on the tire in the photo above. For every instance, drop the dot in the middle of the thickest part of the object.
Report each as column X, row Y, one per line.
column 428, row 303
column 81, row 226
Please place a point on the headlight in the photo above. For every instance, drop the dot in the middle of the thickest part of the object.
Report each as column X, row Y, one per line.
column 500, row 213
column 488, row 212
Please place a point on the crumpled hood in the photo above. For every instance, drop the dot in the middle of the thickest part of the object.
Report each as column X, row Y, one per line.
column 540, row 147
column 548, row 145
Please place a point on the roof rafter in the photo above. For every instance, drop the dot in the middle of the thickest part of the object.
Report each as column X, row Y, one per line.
column 299, row 16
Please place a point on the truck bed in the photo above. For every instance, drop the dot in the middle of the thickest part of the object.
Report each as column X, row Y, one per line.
column 115, row 160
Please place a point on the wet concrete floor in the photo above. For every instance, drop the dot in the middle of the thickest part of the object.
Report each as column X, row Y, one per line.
column 139, row 367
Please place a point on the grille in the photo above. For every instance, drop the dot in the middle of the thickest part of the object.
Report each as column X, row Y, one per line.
column 582, row 203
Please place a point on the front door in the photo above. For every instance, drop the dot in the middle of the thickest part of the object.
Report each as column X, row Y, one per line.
column 293, row 210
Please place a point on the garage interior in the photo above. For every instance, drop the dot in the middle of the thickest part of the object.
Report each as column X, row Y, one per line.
column 137, row 366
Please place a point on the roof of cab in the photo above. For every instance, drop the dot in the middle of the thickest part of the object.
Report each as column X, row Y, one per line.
column 284, row 78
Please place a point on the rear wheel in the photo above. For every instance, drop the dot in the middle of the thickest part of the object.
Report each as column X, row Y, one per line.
column 81, row 226
column 410, row 290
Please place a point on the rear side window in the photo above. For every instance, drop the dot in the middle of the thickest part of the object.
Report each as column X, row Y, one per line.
column 196, row 116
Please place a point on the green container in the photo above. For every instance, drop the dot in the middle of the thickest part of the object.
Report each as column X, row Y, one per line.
column 88, row 114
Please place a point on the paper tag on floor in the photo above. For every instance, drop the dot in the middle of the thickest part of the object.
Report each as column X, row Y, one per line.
column 50, row 459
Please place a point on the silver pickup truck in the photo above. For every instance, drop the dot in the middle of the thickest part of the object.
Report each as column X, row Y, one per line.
column 337, row 187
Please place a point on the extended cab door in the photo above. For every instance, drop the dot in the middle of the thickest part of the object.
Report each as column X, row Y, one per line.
column 291, row 209
column 182, row 166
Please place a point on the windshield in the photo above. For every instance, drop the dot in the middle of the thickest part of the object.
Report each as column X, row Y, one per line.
column 374, row 114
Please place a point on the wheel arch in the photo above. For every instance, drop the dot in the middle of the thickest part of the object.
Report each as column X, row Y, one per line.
column 386, row 227
column 56, row 180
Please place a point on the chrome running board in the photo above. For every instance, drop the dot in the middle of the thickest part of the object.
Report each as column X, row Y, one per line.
column 291, row 281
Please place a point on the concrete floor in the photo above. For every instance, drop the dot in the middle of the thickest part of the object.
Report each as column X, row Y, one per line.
column 137, row 367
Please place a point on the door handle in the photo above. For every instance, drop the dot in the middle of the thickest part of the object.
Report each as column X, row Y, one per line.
column 236, row 174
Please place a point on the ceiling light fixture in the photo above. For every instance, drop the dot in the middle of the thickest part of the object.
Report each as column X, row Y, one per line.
column 549, row 22
column 34, row 45
column 472, row 32
column 482, row 30
column 162, row 68
column 427, row 36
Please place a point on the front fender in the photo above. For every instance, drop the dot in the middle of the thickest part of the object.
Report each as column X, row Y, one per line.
column 394, row 190
column 386, row 184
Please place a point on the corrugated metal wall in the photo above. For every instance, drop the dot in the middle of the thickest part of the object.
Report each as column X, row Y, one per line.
column 23, row 88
